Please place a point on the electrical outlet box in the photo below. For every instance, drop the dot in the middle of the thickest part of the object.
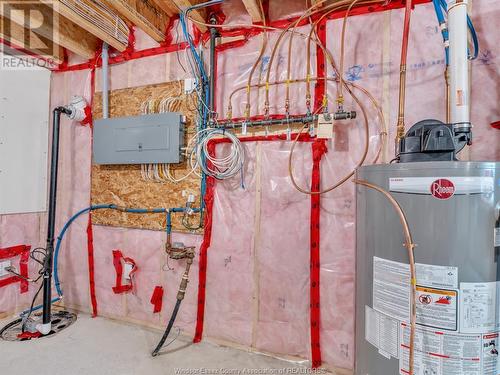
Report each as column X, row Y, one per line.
column 3, row 266
column 127, row 269
column 189, row 85
column 146, row 139
column 325, row 126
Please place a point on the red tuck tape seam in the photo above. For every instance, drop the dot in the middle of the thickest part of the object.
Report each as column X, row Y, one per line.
column 10, row 252
column 29, row 335
column 90, row 250
column 207, row 238
column 117, row 262
column 318, row 150
column 157, row 299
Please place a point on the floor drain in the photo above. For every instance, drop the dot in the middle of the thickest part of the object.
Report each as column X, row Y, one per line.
column 60, row 321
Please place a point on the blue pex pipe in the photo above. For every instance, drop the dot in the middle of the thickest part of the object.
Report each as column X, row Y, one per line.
column 174, row 210
column 440, row 5
column 60, row 237
column 444, row 31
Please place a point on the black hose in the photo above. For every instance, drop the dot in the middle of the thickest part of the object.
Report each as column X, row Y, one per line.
column 169, row 328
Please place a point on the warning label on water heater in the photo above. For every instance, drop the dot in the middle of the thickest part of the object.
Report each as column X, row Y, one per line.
column 438, row 301
column 437, row 308
column 391, row 292
column 382, row 332
column 479, row 307
column 441, row 352
column 491, row 365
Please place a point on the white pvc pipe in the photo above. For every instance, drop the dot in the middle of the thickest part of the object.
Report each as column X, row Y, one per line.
column 459, row 64
column 105, row 81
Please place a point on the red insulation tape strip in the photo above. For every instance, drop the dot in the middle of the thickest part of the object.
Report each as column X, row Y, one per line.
column 318, row 149
column 29, row 335
column 157, row 299
column 117, row 262
column 207, row 238
column 90, row 250
column 23, row 251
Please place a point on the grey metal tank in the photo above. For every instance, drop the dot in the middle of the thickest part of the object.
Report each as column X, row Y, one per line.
column 452, row 211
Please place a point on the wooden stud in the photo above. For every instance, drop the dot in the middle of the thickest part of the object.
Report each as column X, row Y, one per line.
column 66, row 33
column 197, row 15
column 68, row 13
column 253, row 8
column 145, row 14
column 16, row 36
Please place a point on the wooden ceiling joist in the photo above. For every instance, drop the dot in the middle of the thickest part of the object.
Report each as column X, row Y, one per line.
column 68, row 13
column 167, row 6
column 197, row 14
column 38, row 45
column 145, row 14
column 60, row 30
column 253, row 8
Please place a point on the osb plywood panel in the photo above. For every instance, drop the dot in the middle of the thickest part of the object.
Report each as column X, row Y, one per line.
column 123, row 184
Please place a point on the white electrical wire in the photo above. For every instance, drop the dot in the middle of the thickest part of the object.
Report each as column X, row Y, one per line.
column 101, row 16
column 223, row 167
column 163, row 172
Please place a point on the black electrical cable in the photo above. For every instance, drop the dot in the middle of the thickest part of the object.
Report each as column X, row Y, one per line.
column 39, row 250
column 169, row 328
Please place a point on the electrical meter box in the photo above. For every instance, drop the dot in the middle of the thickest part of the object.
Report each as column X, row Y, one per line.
column 146, row 139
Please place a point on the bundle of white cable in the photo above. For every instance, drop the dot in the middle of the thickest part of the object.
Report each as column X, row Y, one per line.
column 222, row 167
column 163, row 172
column 101, row 16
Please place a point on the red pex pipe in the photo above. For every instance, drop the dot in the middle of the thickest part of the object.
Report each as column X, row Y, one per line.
column 406, row 32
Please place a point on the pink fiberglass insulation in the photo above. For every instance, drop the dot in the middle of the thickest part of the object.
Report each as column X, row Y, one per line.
column 229, row 297
column 233, row 76
column 258, row 261
column 73, row 191
column 147, row 249
column 16, row 230
column 235, row 12
column 282, row 253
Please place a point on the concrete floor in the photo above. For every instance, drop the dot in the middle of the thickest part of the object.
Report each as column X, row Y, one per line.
column 101, row 346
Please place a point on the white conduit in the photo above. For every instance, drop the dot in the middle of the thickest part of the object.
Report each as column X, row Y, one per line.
column 459, row 65
column 105, row 81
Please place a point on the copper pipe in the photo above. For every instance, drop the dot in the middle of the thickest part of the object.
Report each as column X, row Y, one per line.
column 347, row 176
column 400, row 127
column 410, row 246
column 259, row 58
column 447, row 94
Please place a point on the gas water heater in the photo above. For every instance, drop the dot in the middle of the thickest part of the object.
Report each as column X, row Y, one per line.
column 452, row 209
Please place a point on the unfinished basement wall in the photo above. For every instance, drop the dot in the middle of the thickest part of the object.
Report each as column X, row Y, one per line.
column 258, row 262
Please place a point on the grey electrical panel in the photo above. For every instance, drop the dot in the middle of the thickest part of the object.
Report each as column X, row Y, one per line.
column 153, row 138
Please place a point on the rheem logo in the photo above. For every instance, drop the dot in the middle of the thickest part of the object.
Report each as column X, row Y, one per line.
column 442, row 189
